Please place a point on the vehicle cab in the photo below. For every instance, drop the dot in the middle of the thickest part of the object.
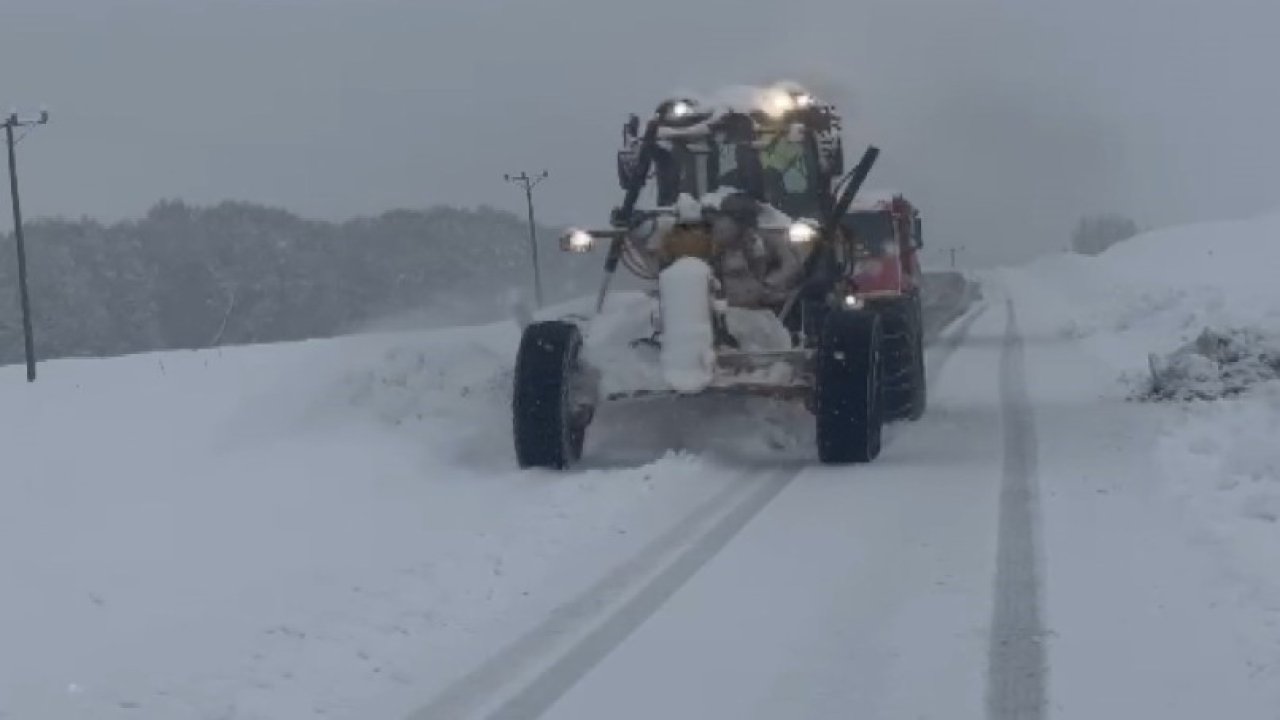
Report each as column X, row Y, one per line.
column 883, row 233
column 782, row 149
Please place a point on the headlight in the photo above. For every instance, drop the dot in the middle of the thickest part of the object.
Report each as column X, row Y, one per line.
column 852, row 302
column 803, row 100
column 681, row 109
column 577, row 241
column 802, row 232
column 777, row 103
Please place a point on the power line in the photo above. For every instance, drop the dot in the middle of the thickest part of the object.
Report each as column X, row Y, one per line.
column 529, row 183
column 952, row 251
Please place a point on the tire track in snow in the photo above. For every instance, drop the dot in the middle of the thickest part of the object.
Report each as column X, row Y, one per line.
column 554, row 681
column 940, row 350
column 1017, row 670
column 478, row 689
column 945, row 347
column 653, row 569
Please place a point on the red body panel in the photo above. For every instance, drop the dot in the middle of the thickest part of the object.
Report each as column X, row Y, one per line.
column 896, row 271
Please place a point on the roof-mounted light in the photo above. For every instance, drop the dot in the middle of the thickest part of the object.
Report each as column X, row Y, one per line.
column 777, row 102
column 679, row 110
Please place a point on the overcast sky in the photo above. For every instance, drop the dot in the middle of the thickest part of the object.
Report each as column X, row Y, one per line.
column 1007, row 120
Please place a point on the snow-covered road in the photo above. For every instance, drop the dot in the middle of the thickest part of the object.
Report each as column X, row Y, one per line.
column 832, row 590
column 920, row 586
column 336, row 529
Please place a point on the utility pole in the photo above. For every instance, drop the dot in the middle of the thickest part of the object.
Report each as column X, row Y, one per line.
column 953, row 250
column 529, row 184
column 10, row 123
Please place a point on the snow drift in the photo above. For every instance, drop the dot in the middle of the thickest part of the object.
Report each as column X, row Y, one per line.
column 1191, row 315
column 1215, row 365
column 1163, row 288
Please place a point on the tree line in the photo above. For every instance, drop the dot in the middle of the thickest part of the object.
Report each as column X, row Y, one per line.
column 236, row 273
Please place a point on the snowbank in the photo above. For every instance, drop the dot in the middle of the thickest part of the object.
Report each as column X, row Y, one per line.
column 1191, row 315
column 1158, row 291
column 1215, row 365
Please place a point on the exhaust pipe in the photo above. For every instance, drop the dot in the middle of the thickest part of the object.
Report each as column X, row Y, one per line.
column 851, row 189
column 822, row 277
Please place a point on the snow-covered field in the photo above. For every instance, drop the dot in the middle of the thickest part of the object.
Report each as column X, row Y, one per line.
column 336, row 529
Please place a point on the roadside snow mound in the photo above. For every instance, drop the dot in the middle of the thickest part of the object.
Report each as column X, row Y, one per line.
column 1188, row 319
column 1214, row 365
column 1160, row 290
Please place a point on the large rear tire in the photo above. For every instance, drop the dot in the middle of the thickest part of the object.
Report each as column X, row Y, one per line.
column 904, row 368
column 549, row 419
column 848, row 396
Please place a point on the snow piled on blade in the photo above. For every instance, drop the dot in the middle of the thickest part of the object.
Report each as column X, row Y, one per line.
column 687, row 356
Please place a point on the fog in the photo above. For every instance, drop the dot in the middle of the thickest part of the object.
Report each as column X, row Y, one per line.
column 1006, row 120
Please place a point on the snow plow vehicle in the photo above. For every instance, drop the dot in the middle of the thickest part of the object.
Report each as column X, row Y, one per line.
column 767, row 278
